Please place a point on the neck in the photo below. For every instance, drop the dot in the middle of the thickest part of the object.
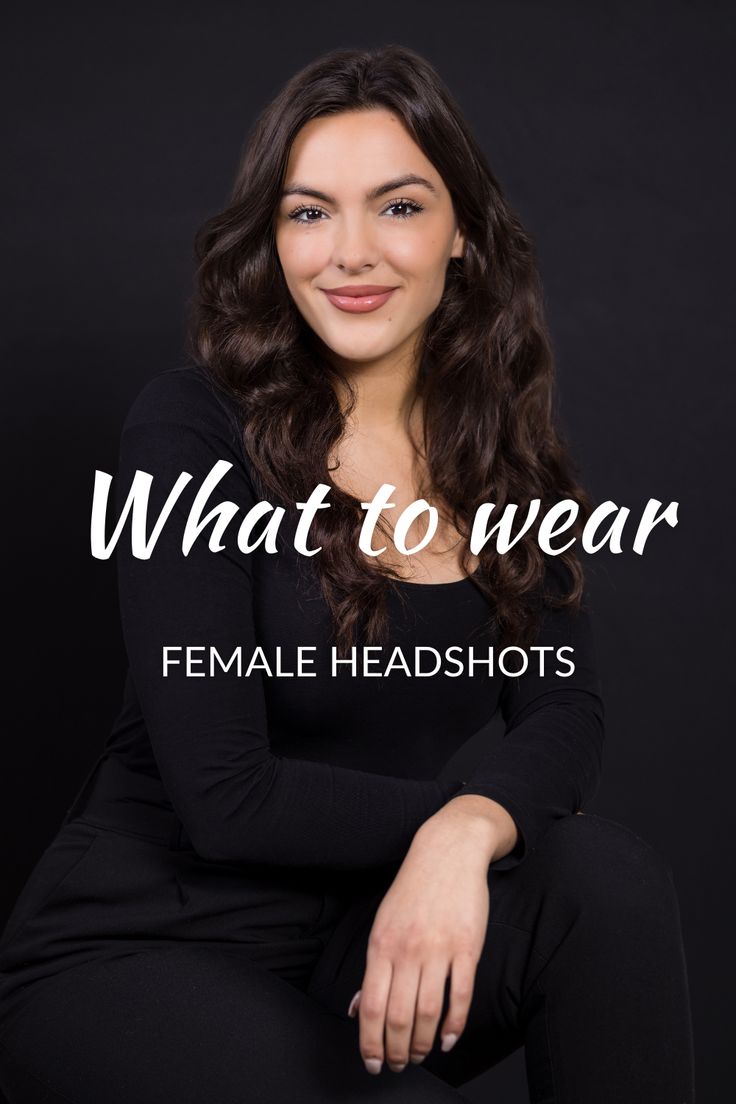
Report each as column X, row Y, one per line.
column 385, row 392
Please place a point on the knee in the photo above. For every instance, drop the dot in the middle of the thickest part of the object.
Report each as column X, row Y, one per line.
column 602, row 866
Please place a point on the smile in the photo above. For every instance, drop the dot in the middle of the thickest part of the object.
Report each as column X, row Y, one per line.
column 370, row 299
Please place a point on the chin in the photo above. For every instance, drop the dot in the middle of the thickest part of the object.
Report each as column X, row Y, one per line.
column 362, row 356
column 355, row 349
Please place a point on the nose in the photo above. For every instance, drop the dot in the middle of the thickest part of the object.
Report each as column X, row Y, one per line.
column 354, row 247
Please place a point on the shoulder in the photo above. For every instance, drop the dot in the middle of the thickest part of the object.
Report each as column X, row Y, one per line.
column 185, row 414
column 557, row 584
column 558, row 578
column 187, row 395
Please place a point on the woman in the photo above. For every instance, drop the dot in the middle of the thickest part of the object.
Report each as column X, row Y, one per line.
column 258, row 859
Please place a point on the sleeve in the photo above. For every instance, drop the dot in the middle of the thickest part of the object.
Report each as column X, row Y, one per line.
column 238, row 801
column 549, row 762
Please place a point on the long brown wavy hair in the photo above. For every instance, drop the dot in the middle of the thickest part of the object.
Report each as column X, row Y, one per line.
column 486, row 368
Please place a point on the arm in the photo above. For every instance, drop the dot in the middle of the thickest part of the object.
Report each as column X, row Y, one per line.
column 433, row 921
column 549, row 762
column 238, row 801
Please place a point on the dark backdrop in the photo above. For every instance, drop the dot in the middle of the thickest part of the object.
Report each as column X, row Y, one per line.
column 608, row 126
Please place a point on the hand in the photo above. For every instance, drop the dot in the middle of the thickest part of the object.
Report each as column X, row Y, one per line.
column 431, row 924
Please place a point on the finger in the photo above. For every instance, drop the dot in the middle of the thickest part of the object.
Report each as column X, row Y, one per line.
column 402, row 1002
column 462, row 982
column 372, row 1010
column 430, row 998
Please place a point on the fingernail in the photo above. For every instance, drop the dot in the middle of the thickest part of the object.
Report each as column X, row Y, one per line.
column 353, row 1006
column 417, row 1058
column 448, row 1041
column 373, row 1065
column 398, row 1069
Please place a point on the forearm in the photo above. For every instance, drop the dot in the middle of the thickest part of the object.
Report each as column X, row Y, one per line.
column 305, row 813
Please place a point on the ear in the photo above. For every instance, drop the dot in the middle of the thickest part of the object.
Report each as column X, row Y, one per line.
column 458, row 245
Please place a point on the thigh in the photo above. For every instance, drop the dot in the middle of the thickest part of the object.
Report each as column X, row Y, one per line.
column 189, row 1024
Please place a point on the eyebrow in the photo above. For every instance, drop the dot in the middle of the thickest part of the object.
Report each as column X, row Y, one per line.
column 375, row 193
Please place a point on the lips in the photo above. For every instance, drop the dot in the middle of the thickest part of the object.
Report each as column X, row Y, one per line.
column 360, row 289
column 359, row 298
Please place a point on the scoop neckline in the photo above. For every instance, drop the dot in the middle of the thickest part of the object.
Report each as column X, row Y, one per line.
column 438, row 586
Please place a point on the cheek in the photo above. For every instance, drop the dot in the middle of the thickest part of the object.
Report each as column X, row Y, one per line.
column 301, row 257
column 422, row 257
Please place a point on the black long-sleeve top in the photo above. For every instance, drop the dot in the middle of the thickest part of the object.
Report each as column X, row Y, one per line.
column 331, row 771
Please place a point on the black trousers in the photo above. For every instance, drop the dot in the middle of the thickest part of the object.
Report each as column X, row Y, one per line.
column 237, row 999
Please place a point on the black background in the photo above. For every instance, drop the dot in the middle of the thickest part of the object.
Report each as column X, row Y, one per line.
column 609, row 128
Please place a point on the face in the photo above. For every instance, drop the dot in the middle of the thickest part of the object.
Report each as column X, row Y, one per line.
column 363, row 209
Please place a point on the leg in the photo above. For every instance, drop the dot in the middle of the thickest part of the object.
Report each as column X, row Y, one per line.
column 583, row 964
column 185, row 1025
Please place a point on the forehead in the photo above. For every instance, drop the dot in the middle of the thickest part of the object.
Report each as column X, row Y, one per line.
column 356, row 147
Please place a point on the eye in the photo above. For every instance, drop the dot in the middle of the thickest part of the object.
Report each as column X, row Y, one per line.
column 305, row 209
column 413, row 207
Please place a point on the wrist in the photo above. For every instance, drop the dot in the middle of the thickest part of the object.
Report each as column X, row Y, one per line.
column 472, row 823
column 485, row 824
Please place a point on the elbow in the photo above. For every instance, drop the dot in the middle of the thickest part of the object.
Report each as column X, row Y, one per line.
column 213, row 846
column 218, row 842
column 229, row 820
